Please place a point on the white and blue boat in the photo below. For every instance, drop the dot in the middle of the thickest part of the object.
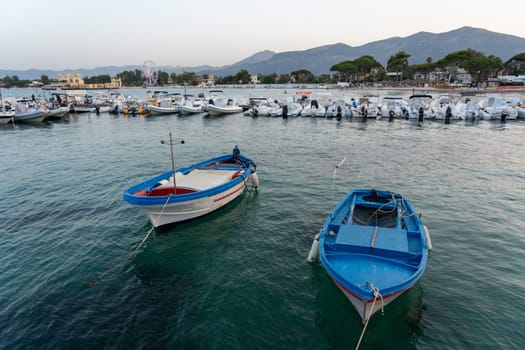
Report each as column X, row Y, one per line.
column 195, row 190
column 374, row 247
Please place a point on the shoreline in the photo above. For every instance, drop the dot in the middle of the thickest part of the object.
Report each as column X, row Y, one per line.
column 502, row 89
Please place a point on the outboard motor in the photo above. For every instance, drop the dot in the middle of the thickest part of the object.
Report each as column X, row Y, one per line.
column 448, row 115
column 421, row 114
column 285, row 111
column 364, row 112
column 339, row 110
column 406, row 114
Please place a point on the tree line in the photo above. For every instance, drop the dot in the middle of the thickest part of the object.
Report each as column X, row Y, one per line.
column 365, row 69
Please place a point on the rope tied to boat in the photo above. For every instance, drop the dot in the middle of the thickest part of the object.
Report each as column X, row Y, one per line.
column 377, row 295
column 134, row 252
column 90, row 284
column 245, row 180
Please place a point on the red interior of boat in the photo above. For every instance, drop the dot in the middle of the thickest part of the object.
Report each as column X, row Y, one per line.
column 236, row 174
column 164, row 191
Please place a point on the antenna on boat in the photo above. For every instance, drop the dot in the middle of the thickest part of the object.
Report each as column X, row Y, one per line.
column 172, row 142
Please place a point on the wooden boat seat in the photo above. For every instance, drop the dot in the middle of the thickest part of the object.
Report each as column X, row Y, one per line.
column 386, row 239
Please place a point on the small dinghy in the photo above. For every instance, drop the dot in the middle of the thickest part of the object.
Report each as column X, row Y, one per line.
column 196, row 190
column 374, row 247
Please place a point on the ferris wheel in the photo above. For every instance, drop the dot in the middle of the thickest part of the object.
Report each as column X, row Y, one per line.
column 148, row 69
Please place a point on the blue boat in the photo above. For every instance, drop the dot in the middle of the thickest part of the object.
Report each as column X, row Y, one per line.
column 374, row 247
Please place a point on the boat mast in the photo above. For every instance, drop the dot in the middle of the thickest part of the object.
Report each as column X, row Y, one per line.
column 172, row 142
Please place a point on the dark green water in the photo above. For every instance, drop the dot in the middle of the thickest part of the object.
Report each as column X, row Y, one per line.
column 238, row 278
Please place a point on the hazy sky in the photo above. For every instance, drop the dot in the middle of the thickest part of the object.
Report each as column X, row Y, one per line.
column 59, row 34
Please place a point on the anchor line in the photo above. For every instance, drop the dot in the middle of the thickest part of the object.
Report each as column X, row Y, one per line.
column 131, row 255
column 377, row 295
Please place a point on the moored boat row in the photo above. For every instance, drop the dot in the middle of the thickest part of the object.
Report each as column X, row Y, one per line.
column 447, row 107
column 418, row 106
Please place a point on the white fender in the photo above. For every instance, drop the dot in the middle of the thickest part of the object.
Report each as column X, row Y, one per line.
column 254, row 179
column 429, row 242
column 314, row 250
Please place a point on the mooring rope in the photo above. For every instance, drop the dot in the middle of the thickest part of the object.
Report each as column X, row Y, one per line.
column 377, row 295
column 90, row 284
column 245, row 180
column 130, row 256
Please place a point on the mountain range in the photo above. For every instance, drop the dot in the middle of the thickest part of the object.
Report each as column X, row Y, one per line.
column 318, row 60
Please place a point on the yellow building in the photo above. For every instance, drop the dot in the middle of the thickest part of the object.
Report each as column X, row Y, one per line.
column 75, row 81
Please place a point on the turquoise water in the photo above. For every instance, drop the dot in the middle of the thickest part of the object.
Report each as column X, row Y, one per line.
column 238, row 278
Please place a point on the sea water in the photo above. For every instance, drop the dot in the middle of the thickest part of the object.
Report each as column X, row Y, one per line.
column 238, row 278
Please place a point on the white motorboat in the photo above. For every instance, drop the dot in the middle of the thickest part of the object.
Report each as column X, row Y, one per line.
column 444, row 107
column 495, row 107
column 221, row 105
column 338, row 109
column 368, row 107
column 166, row 104
column 6, row 116
column 394, row 107
column 467, row 109
column 56, row 112
column 261, row 106
column 420, row 107
column 26, row 112
column 191, row 105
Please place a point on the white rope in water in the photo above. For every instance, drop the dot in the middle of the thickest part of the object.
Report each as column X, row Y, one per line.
column 335, row 171
column 131, row 255
column 376, row 296
column 134, row 252
column 339, row 165
column 245, row 181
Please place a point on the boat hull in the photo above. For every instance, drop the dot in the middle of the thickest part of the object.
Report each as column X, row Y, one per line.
column 58, row 112
column 160, row 215
column 6, row 117
column 30, row 117
column 367, row 307
column 184, row 109
column 163, row 110
column 84, row 109
column 216, row 110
